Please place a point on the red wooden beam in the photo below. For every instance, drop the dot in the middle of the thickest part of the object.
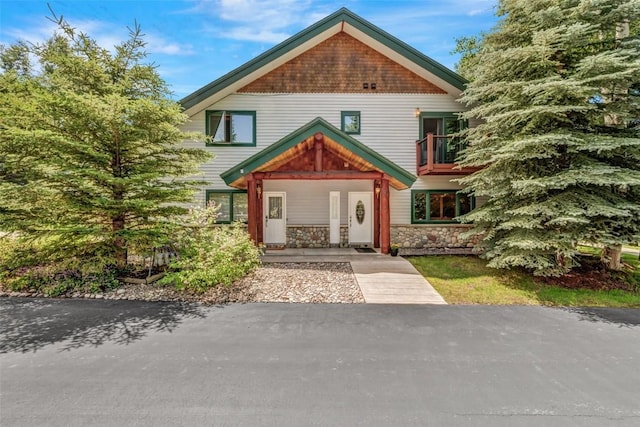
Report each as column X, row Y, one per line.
column 418, row 155
column 429, row 152
column 446, row 169
column 259, row 210
column 376, row 213
column 385, row 217
column 319, row 145
column 252, row 200
column 318, row 175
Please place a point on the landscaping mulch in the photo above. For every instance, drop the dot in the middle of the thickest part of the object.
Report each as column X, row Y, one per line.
column 593, row 276
column 276, row 282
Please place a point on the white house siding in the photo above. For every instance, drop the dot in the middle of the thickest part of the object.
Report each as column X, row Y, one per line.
column 388, row 125
column 308, row 201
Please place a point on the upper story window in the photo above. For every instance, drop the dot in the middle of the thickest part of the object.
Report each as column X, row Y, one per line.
column 444, row 147
column 350, row 122
column 440, row 124
column 231, row 127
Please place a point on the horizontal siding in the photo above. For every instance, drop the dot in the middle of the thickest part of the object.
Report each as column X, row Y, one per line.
column 308, row 201
column 388, row 125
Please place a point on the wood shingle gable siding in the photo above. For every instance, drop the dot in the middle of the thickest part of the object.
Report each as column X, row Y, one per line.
column 341, row 64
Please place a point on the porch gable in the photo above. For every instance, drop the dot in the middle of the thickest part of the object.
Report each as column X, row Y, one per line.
column 339, row 155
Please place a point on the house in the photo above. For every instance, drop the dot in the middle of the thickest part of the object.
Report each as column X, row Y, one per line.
column 337, row 136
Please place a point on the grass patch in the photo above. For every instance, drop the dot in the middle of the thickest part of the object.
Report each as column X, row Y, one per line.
column 467, row 280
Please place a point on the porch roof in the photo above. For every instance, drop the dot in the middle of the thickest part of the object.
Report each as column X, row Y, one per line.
column 302, row 139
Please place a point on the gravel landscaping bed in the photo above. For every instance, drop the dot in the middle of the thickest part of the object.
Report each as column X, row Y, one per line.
column 322, row 282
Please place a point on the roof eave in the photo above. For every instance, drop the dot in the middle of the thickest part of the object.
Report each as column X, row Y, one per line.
column 341, row 15
column 400, row 175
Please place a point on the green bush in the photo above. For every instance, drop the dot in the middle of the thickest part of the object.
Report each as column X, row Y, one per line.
column 25, row 266
column 211, row 255
column 53, row 282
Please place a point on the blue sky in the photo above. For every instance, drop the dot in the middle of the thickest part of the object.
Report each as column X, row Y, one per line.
column 193, row 42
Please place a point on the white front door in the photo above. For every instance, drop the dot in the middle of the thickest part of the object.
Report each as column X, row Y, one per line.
column 275, row 218
column 361, row 218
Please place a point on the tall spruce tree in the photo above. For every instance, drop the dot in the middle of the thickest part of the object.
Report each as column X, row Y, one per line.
column 556, row 98
column 90, row 148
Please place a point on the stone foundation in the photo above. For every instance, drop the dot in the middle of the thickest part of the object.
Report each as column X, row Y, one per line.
column 420, row 239
column 414, row 239
column 314, row 236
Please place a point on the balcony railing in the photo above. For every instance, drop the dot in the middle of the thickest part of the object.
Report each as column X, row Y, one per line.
column 436, row 154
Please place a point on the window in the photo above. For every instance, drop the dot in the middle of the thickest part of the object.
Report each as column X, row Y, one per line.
column 442, row 125
column 233, row 204
column 439, row 205
column 351, row 122
column 231, row 127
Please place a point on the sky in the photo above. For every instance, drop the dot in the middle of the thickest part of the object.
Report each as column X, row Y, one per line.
column 193, row 42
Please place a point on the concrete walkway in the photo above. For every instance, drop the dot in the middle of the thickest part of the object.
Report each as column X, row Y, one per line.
column 382, row 279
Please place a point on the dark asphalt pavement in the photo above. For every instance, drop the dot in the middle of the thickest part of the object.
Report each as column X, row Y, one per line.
column 110, row 363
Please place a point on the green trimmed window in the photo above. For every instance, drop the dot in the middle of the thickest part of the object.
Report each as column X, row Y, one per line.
column 442, row 126
column 350, row 122
column 231, row 127
column 233, row 204
column 428, row 206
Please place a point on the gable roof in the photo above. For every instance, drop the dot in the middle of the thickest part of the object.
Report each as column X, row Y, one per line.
column 341, row 16
column 399, row 178
column 341, row 64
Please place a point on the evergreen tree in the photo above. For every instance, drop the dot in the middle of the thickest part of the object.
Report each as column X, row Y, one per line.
column 555, row 95
column 468, row 47
column 91, row 155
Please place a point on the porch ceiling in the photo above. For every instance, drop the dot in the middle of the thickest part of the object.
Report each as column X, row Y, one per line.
column 353, row 154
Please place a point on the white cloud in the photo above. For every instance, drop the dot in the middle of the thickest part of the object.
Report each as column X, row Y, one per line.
column 250, row 34
column 156, row 44
column 264, row 21
column 104, row 33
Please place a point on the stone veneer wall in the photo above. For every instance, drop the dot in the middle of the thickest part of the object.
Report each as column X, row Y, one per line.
column 314, row 236
column 418, row 239
column 414, row 239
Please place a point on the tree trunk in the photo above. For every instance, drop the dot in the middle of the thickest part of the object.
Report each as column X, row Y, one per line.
column 612, row 257
column 120, row 248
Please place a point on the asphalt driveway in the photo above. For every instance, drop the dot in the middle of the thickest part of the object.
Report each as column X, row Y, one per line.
column 121, row 363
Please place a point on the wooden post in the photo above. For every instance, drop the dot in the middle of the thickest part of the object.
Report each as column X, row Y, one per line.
column 259, row 211
column 376, row 213
column 252, row 200
column 429, row 151
column 385, row 217
column 318, row 143
column 418, row 157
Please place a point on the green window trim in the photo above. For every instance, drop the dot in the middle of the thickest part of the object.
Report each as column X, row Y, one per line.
column 350, row 122
column 427, row 206
column 446, row 117
column 225, row 119
column 233, row 200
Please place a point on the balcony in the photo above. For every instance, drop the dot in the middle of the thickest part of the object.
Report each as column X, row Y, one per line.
column 436, row 155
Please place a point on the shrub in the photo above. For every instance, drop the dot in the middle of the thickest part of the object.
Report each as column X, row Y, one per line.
column 24, row 265
column 211, row 255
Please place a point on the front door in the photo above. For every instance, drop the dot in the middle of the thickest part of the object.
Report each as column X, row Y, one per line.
column 361, row 218
column 275, row 218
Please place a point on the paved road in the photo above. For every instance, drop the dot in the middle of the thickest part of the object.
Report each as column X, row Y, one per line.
column 84, row 363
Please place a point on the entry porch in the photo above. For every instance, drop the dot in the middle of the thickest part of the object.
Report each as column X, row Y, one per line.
column 319, row 180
